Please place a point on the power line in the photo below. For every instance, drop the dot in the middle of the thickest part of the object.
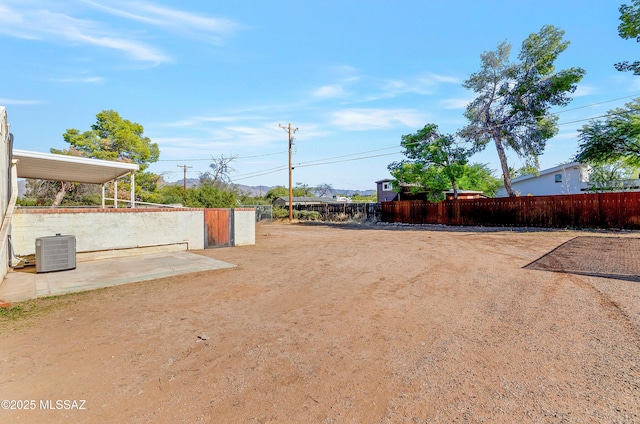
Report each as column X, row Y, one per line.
column 595, row 104
column 209, row 160
column 306, row 165
column 330, row 160
column 336, row 159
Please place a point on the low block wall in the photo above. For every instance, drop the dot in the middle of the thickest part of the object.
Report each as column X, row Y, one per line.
column 244, row 226
column 110, row 229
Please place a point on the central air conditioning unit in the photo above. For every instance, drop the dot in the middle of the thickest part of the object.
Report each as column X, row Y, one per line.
column 55, row 253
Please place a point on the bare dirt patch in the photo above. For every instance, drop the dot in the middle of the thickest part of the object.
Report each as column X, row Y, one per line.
column 340, row 324
column 609, row 257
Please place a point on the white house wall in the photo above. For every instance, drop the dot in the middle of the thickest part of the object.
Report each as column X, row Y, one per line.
column 545, row 185
column 106, row 229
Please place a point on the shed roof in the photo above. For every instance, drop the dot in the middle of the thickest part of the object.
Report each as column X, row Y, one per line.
column 50, row 166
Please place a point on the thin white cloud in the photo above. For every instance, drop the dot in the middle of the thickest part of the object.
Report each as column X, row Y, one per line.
column 236, row 137
column 422, row 84
column 195, row 121
column 583, row 90
column 371, row 119
column 570, row 135
column 42, row 24
column 213, row 30
column 345, row 73
column 329, row 91
column 439, row 79
column 456, row 103
column 18, row 102
column 85, row 80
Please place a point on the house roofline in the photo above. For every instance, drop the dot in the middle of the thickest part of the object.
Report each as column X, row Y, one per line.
column 549, row 171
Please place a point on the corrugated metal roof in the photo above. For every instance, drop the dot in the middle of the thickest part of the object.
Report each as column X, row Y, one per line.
column 50, row 166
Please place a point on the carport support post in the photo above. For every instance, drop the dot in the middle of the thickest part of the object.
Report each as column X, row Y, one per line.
column 115, row 193
column 133, row 191
column 103, row 184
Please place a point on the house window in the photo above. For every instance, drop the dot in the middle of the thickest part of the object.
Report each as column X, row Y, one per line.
column 558, row 178
column 386, row 186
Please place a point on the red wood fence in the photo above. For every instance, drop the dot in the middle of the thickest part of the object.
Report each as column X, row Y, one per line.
column 595, row 210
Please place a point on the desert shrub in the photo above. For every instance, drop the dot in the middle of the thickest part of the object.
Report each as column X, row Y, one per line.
column 341, row 217
column 306, row 215
column 280, row 212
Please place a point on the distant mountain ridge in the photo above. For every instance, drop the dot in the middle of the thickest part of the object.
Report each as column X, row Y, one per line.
column 262, row 190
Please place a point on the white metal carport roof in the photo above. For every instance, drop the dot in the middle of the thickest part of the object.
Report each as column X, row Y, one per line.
column 50, row 166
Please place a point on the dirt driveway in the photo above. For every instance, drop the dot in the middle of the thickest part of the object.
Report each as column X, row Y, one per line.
column 338, row 325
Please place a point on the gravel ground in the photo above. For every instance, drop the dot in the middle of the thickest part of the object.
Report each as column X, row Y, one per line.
column 341, row 324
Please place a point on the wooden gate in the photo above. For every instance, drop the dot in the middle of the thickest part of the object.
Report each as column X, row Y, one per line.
column 218, row 225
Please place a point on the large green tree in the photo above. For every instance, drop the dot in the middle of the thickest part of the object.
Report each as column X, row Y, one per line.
column 514, row 98
column 616, row 137
column 428, row 150
column 432, row 181
column 629, row 28
column 112, row 138
column 612, row 176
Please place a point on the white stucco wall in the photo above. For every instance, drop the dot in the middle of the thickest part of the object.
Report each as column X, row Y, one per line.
column 546, row 185
column 244, row 224
column 105, row 229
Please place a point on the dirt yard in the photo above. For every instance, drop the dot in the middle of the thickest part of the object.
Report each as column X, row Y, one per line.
column 339, row 325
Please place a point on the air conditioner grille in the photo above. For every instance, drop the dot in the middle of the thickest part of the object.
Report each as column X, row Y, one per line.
column 56, row 253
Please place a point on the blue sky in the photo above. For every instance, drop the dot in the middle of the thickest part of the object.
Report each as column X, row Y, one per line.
column 211, row 78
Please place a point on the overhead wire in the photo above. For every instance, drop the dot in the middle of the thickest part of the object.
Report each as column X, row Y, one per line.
column 340, row 159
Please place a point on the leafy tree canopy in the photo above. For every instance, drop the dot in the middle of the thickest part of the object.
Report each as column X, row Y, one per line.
column 514, row 99
column 526, row 169
column 616, row 137
column 205, row 196
column 629, row 28
column 611, row 176
column 110, row 138
column 433, row 181
column 439, row 156
column 113, row 138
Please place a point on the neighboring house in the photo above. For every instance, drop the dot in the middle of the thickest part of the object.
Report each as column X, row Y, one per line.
column 385, row 191
column 570, row 178
column 284, row 201
column 386, row 194
column 342, row 199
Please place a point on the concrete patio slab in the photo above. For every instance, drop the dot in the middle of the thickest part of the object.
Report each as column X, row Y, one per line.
column 25, row 284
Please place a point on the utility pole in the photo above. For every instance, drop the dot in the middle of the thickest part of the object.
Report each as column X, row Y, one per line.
column 184, row 179
column 291, row 132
